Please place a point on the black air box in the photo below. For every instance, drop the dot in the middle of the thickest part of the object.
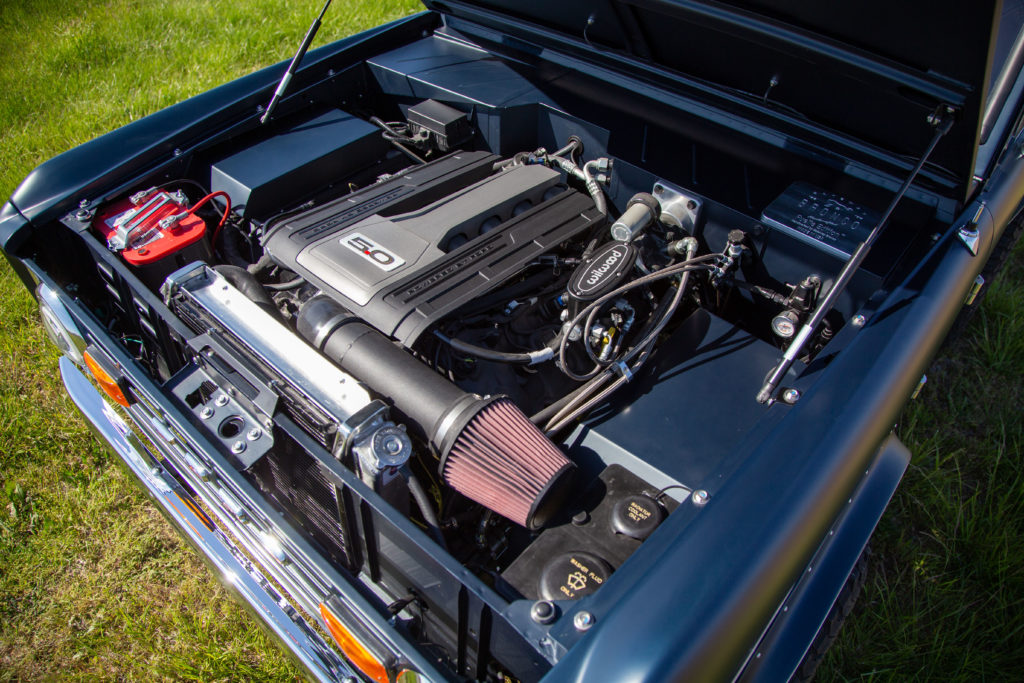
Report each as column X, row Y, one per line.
column 281, row 171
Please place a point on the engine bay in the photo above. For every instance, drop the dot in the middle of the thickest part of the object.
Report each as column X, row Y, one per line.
column 466, row 291
column 486, row 304
column 530, row 343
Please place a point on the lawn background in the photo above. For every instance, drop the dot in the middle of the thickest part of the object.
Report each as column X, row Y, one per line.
column 93, row 582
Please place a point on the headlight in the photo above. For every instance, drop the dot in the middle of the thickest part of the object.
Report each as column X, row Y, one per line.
column 59, row 324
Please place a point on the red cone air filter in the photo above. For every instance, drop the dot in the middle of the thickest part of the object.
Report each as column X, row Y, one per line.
column 502, row 461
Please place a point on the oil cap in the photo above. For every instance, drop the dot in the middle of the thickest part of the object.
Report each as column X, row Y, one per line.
column 573, row 575
column 636, row 517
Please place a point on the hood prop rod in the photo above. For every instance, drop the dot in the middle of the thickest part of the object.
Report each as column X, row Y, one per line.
column 286, row 79
column 942, row 120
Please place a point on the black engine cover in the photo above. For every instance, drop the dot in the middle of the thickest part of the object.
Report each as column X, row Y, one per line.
column 404, row 253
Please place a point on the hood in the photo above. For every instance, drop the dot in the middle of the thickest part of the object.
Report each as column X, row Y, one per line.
column 871, row 69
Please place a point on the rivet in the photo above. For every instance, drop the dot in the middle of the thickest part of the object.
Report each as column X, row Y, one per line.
column 583, row 621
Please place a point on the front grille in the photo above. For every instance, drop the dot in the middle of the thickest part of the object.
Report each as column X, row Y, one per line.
column 299, row 486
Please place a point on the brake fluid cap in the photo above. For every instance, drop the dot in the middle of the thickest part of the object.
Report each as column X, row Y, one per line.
column 636, row 517
column 573, row 575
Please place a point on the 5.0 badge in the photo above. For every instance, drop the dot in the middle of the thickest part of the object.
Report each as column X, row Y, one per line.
column 379, row 256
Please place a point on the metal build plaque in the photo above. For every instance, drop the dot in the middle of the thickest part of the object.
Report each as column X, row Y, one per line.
column 820, row 218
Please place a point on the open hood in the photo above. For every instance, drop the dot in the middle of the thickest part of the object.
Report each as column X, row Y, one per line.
column 873, row 70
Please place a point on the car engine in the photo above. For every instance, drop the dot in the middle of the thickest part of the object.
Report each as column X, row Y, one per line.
column 438, row 317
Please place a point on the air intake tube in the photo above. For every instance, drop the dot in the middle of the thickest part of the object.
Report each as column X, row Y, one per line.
column 490, row 452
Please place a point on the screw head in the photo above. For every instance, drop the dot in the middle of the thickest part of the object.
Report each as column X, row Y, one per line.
column 221, row 400
column 699, row 497
column 583, row 621
column 791, row 396
column 83, row 215
column 206, row 413
column 543, row 612
column 254, row 433
column 238, row 447
column 858, row 321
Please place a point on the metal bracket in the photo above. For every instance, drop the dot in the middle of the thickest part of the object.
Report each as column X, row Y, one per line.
column 242, row 433
column 969, row 234
column 679, row 208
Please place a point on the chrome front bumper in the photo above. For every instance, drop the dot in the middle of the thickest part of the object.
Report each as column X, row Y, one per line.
column 224, row 557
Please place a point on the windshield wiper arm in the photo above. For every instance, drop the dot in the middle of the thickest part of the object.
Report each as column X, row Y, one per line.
column 286, row 79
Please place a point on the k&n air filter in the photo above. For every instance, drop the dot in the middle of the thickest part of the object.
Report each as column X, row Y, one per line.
column 502, row 461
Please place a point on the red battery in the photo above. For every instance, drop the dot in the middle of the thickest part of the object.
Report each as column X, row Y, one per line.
column 154, row 232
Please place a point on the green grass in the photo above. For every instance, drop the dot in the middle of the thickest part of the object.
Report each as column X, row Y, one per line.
column 94, row 584
column 945, row 596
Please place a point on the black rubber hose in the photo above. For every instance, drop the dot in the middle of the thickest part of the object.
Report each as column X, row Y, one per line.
column 294, row 283
column 229, row 246
column 248, row 285
column 394, row 139
column 423, row 502
column 262, row 266
column 528, row 358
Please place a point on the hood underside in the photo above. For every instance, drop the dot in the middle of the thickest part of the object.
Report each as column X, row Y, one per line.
column 872, row 70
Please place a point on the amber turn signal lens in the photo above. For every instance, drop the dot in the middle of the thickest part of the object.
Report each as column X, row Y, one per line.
column 106, row 381
column 353, row 649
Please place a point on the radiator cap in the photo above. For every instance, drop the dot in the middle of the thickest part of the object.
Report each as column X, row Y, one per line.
column 636, row 517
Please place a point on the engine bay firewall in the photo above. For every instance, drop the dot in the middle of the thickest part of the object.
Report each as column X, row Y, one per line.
column 405, row 252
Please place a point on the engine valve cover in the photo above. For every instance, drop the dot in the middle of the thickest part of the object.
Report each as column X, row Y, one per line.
column 405, row 252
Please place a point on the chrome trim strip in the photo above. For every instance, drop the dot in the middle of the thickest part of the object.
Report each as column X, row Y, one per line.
column 230, row 565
